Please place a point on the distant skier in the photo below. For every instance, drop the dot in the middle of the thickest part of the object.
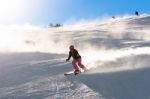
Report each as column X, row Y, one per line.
column 136, row 13
column 76, row 59
column 113, row 17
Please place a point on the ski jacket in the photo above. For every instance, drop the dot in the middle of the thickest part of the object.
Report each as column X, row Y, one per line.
column 74, row 54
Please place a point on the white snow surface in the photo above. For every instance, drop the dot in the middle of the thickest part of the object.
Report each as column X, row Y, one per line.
column 116, row 52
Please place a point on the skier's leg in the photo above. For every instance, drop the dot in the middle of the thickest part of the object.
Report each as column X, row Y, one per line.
column 75, row 65
column 79, row 61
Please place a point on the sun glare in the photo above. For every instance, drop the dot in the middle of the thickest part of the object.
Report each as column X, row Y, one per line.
column 9, row 8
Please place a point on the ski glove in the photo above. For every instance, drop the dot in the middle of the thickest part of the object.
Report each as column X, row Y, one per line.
column 67, row 60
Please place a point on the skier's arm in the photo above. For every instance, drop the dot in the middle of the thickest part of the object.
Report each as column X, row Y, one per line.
column 69, row 57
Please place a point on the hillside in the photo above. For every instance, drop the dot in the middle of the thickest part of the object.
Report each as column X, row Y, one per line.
column 116, row 52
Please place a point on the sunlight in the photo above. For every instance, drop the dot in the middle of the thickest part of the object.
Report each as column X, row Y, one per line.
column 8, row 39
column 9, row 7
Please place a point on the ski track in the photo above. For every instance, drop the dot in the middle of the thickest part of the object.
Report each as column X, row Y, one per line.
column 48, row 82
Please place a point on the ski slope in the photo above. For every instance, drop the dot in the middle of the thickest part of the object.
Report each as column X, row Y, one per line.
column 116, row 51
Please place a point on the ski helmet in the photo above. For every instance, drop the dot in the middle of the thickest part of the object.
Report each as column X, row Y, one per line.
column 71, row 47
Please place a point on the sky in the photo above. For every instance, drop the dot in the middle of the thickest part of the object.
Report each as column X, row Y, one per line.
column 42, row 12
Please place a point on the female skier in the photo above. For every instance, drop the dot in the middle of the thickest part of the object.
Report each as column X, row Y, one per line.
column 76, row 60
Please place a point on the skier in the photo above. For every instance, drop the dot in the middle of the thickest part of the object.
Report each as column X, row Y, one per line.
column 136, row 13
column 76, row 60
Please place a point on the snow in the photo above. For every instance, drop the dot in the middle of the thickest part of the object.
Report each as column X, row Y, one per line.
column 116, row 51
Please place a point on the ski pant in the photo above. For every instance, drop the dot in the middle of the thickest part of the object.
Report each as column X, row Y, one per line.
column 76, row 63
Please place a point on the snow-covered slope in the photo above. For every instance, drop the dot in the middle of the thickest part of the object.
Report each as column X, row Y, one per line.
column 117, row 52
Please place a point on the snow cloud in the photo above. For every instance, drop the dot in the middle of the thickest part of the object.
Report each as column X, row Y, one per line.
column 98, row 41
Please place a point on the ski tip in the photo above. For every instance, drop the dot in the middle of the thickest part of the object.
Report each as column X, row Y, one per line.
column 66, row 74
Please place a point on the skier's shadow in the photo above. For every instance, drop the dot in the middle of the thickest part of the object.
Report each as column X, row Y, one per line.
column 132, row 84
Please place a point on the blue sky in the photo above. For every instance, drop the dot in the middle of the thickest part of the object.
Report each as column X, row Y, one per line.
column 42, row 12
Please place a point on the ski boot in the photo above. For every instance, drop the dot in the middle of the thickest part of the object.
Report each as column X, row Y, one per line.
column 76, row 72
